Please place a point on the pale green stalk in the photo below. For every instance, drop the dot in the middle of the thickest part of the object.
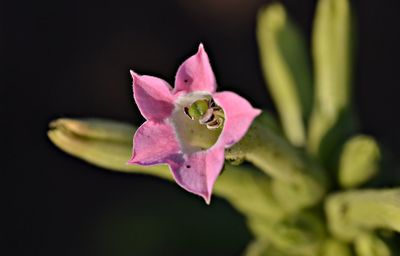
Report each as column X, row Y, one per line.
column 350, row 214
column 332, row 64
column 286, row 69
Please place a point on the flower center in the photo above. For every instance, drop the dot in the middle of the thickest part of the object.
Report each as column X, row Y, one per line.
column 206, row 112
column 198, row 121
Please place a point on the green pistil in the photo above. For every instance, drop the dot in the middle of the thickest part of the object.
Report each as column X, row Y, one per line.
column 197, row 109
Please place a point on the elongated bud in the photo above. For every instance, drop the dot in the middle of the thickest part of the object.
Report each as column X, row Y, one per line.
column 352, row 213
column 359, row 161
column 108, row 144
column 332, row 59
column 101, row 142
column 286, row 69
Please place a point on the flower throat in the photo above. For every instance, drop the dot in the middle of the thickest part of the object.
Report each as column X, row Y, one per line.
column 206, row 112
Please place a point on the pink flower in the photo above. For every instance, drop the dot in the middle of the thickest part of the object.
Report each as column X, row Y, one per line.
column 189, row 127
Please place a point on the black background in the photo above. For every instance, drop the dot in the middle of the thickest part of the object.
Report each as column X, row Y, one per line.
column 72, row 58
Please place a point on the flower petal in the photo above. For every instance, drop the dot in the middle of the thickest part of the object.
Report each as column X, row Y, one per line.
column 196, row 74
column 153, row 97
column 155, row 143
column 199, row 172
column 239, row 115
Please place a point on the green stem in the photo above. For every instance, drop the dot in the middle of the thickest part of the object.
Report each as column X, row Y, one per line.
column 278, row 158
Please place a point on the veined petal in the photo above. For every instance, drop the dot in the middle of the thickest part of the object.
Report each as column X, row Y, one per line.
column 196, row 74
column 155, row 143
column 239, row 115
column 153, row 97
column 199, row 172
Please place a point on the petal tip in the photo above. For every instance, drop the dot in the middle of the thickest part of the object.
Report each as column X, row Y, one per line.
column 201, row 47
column 131, row 161
column 257, row 112
column 133, row 73
column 207, row 199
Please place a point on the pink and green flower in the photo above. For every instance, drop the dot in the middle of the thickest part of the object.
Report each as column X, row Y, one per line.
column 188, row 127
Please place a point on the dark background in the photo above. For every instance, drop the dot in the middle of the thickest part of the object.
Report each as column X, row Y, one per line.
column 72, row 58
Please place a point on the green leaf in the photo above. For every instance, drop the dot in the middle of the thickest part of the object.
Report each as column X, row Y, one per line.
column 359, row 161
column 332, row 64
column 286, row 69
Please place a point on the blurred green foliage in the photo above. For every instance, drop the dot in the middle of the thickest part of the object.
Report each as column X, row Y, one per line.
column 301, row 195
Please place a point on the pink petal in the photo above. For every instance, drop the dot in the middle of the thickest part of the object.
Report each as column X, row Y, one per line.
column 196, row 74
column 155, row 143
column 153, row 97
column 199, row 172
column 239, row 115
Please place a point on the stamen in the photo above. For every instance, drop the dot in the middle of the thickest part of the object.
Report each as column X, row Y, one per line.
column 206, row 112
column 215, row 124
column 207, row 117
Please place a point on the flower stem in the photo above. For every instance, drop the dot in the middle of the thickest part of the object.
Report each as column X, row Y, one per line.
column 305, row 181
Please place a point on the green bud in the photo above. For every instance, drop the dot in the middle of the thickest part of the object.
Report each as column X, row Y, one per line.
column 104, row 143
column 359, row 161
